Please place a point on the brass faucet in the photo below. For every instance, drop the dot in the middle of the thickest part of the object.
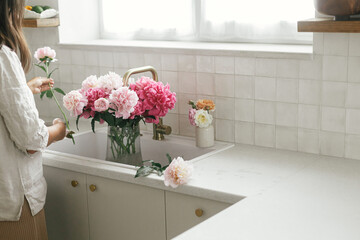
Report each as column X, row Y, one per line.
column 158, row 129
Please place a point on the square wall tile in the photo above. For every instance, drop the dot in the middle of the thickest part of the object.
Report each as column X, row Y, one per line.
column 287, row 90
column 265, row 67
column 187, row 82
column 352, row 149
column 187, row 63
column 91, row 58
column 311, row 69
column 318, row 43
column 309, row 91
column 308, row 141
column 308, row 116
column 265, row 88
column 78, row 73
column 205, row 64
column 286, row 114
column 336, row 44
column 244, row 86
column 287, row 138
column 225, row 130
column 121, row 60
column 225, row 108
column 353, row 121
column 334, row 94
column 265, row 135
column 65, row 72
column 64, row 55
column 225, row 65
column 244, row 110
column 354, row 69
column 169, row 62
column 185, row 128
column 77, row 57
column 332, row 144
column 136, row 60
column 287, row 68
column 244, row 132
column 354, row 47
column 106, row 59
column 333, row 119
column 183, row 102
column 172, row 79
column 91, row 70
column 224, row 85
column 152, row 59
column 353, row 95
column 205, row 84
column 335, row 68
column 265, row 112
column 245, row 66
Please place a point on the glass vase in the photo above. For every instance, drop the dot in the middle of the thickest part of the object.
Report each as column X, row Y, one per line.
column 123, row 145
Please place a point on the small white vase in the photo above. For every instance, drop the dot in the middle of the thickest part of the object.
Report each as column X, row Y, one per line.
column 204, row 136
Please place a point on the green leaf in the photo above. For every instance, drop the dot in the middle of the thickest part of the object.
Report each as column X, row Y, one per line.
column 42, row 94
column 42, row 67
column 143, row 171
column 154, row 164
column 169, row 157
column 59, row 90
column 164, row 168
column 49, row 94
column 93, row 125
column 77, row 122
column 49, row 76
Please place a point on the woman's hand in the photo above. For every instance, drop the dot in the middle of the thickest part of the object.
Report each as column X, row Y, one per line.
column 40, row 84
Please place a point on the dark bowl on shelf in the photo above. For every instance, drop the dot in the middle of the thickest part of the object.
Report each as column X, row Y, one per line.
column 341, row 9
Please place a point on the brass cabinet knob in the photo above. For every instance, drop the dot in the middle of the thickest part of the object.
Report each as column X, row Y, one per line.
column 92, row 187
column 74, row 183
column 199, row 212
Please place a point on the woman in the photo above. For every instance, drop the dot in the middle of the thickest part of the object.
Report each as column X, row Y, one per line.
column 22, row 134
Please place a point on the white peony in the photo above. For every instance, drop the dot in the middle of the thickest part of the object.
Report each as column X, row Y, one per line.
column 202, row 118
column 177, row 173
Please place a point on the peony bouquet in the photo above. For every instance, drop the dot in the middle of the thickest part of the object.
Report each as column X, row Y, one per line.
column 105, row 99
column 199, row 114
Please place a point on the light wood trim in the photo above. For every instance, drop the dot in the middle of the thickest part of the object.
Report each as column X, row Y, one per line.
column 41, row 22
column 328, row 25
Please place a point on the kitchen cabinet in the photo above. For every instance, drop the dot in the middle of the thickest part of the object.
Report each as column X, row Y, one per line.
column 184, row 211
column 119, row 210
column 66, row 205
column 83, row 207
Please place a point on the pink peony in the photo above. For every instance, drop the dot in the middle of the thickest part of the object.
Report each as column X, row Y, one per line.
column 123, row 100
column 75, row 102
column 101, row 105
column 192, row 113
column 42, row 53
column 177, row 173
column 89, row 82
column 110, row 81
column 157, row 99
column 94, row 94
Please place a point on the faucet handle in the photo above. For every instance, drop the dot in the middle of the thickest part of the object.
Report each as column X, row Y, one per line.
column 160, row 129
column 164, row 129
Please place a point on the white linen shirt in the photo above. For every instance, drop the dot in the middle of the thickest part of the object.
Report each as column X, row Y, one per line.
column 21, row 174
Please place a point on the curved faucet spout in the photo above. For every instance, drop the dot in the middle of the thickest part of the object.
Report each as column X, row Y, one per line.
column 139, row 70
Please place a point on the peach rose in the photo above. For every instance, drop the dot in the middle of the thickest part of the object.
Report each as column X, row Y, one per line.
column 205, row 104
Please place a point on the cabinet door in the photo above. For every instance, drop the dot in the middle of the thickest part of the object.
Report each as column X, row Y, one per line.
column 184, row 212
column 66, row 205
column 119, row 210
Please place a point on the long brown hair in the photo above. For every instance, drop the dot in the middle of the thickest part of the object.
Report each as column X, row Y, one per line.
column 11, row 35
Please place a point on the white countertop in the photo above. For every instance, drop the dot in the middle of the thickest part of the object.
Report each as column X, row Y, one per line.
column 288, row 195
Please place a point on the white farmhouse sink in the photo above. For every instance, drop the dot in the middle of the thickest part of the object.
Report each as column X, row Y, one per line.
column 93, row 145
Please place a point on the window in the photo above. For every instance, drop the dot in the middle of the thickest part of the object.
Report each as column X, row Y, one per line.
column 206, row 20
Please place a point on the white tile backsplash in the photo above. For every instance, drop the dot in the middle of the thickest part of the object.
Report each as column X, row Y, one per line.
column 308, row 105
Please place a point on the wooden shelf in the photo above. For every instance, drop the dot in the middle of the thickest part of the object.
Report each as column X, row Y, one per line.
column 328, row 25
column 41, row 22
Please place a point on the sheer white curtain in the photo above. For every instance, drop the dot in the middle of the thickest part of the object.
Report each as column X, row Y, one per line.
column 206, row 20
